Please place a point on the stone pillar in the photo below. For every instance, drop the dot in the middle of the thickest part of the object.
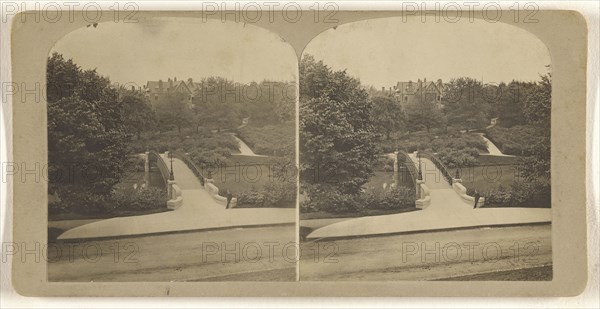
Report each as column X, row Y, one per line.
column 418, row 188
column 147, row 169
column 170, row 184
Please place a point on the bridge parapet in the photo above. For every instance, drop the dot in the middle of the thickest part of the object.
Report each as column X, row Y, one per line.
column 408, row 163
column 424, row 197
column 153, row 156
column 438, row 163
column 207, row 183
column 173, row 190
column 455, row 182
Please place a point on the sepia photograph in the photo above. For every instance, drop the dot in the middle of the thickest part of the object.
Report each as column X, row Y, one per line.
column 425, row 152
column 171, row 153
column 306, row 150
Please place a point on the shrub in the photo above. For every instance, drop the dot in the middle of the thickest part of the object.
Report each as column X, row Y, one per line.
column 520, row 194
column 273, row 194
column 329, row 200
column 453, row 158
column 516, row 140
column 141, row 199
column 384, row 163
column 394, row 198
column 72, row 198
column 135, row 164
column 335, row 202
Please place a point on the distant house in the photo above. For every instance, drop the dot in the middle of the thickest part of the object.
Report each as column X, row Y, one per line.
column 158, row 90
column 407, row 93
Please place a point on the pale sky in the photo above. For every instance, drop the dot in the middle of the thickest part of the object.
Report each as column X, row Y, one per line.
column 160, row 48
column 381, row 52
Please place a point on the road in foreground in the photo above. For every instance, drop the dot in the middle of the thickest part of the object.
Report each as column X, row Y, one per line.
column 243, row 254
column 430, row 256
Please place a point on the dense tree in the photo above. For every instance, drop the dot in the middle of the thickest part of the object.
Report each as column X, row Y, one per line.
column 336, row 132
column 137, row 112
column 466, row 104
column 425, row 114
column 537, row 112
column 537, row 105
column 388, row 116
column 217, row 104
column 61, row 77
column 173, row 111
column 87, row 139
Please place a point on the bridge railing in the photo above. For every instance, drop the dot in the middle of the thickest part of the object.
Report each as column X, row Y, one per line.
column 173, row 190
column 161, row 164
column 207, row 183
column 409, row 164
column 438, row 163
column 456, row 183
column 190, row 164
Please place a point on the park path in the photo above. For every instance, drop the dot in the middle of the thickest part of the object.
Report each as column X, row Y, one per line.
column 198, row 212
column 446, row 211
column 244, row 149
column 492, row 148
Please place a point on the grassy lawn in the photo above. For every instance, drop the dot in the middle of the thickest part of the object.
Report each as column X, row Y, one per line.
column 270, row 140
column 485, row 178
column 248, row 173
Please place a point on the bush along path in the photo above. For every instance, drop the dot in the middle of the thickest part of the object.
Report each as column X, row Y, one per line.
column 446, row 210
column 199, row 211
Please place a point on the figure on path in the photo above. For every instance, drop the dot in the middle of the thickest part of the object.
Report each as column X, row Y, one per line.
column 476, row 198
column 229, row 197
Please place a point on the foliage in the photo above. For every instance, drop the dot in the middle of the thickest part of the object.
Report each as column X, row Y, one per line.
column 517, row 140
column 273, row 194
column 273, row 140
column 94, row 204
column 141, row 199
column 336, row 202
column 137, row 112
column 425, row 114
column 455, row 158
column 187, row 142
column 220, row 103
column 388, row 116
column 509, row 105
column 173, row 112
column 86, row 130
column 395, row 198
column 537, row 107
column 454, row 150
column 336, row 132
column 322, row 198
column 465, row 103
column 217, row 104
column 520, row 194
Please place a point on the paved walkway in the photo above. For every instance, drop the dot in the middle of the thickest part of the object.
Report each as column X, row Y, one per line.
column 244, row 149
column 492, row 149
column 198, row 212
column 446, row 211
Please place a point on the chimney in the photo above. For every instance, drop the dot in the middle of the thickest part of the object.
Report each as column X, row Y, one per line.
column 383, row 89
column 160, row 84
column 424, row 80
column 175, row 78
column 132, row 88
